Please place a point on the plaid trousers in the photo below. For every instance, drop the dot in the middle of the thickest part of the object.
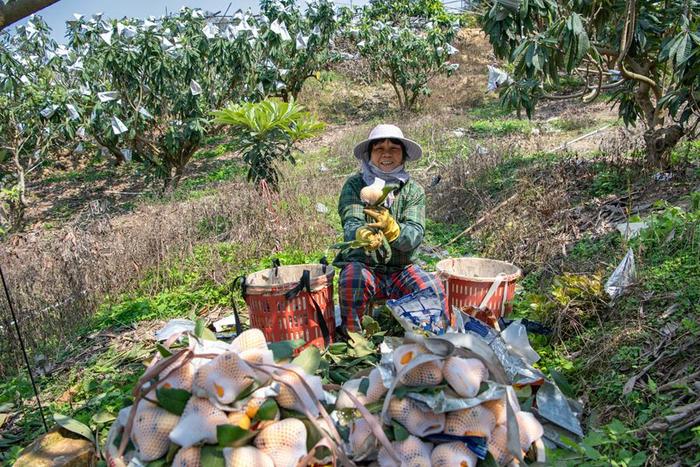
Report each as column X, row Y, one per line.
column 358, row 284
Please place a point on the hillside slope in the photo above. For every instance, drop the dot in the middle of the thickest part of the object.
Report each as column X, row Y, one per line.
column 93, row 281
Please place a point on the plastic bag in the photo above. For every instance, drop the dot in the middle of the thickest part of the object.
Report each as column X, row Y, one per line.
column 622, row 277
column 421, row 310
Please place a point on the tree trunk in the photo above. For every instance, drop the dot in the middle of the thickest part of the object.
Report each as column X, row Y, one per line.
column 16, row 206
column 15, row 11
column 118, row 156
column 167, row 181
column 659, row 142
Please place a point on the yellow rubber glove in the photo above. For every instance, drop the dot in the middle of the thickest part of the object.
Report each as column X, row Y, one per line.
column 367, row 235
column 385, row 222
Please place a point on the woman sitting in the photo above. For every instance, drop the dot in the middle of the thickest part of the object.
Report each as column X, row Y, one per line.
column 400, row 220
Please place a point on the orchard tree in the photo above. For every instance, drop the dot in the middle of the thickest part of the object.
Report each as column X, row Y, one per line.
column 266, row 133
column 397, row 12
column 39, row 114
column 407, row 56
column 153, row 82
column 296, row 45
column 647, row 53
column 12, row 11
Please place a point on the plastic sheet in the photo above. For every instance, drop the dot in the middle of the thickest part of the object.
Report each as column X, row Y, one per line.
column 515, row 335
column 552, row 405
column 441, row 402
column 174, row 326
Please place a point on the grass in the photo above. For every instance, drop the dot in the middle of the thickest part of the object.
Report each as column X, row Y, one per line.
column 489, row 110
column 666, row 263
column 89, row 174
column 610, row 179
column 103, row 383
column 500, row 127
column 227, row 170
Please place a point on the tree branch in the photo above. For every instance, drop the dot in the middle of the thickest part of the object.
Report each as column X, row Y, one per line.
column 14, row 11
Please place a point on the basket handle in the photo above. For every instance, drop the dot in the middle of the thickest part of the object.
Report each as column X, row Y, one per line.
column 238, row 279
column 496, row 283
column 275, row 266
column 324, row 263
column 305, row 284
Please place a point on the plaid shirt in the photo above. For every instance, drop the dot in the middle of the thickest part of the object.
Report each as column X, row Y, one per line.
column 408, row 209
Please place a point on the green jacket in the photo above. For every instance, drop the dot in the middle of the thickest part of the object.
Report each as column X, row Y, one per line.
column 408, row 209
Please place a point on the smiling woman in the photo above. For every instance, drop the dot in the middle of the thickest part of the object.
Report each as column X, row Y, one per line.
column 394, row 228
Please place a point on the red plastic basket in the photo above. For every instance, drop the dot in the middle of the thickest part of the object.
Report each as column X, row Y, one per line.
column 295, row 318
column 468, row 281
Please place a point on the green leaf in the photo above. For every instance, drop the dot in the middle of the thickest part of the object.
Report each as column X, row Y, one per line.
column 74, row 426
column 562, row 383
column 338, row 348
column 313, row 436
column 232, row 435
column 199, row 328
column 361, row 347
column 102, row 418
column 309, row 359
column 400, row 433
column 173, row 400
column 489, row 461
column 638, row 459
column 370, row 326
column 208, row 335
column 682, row 50
column 212, row 456
column 401, row 391
column 364, row 385
column 164, row 352
column 284, row 350
column 267, row 411
column 245, row 393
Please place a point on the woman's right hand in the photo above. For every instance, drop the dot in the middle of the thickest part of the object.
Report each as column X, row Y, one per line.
column 370, row 237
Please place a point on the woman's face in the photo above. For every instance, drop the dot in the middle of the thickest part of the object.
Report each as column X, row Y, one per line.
column 386, row 155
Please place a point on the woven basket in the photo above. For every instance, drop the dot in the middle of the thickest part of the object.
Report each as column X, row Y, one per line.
column 468, row 281
column 295, row 318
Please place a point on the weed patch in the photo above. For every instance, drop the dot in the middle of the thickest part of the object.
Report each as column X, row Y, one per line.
column 499, row 127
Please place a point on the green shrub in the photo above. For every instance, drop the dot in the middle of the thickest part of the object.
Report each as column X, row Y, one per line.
column 266, row 133
column 500, row 127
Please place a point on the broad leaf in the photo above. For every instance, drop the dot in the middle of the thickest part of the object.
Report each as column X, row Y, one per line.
column 102, row 418
column 364, row 386
column 74, row 426
column 163, row 351
column 267, row 411
column 212, row 456
column 232, row 435
column 400, row 433
column 284, row 350
column 309, row 359
column 173, row 400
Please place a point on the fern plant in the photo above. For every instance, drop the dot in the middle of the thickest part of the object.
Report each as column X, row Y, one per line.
column 266, row 133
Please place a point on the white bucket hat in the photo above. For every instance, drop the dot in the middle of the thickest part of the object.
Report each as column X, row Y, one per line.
column 381, row 132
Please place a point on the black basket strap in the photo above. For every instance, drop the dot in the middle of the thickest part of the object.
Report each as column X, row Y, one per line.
column 530, row 326
column 324, row 263
column 305, row 285
column 241, row 280
column 276, row 266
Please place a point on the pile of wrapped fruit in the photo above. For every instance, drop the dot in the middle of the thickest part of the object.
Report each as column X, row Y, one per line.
column 207, row 402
